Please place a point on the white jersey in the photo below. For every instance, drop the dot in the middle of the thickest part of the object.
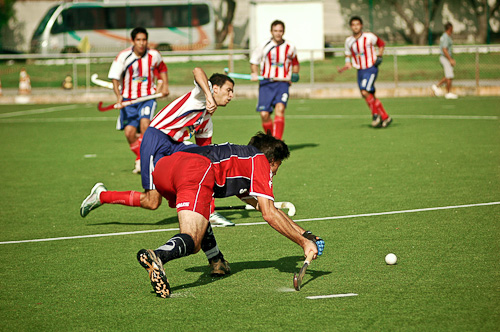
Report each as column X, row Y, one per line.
column 275, row 60
column 185, row 116
column 136, row 74
column 362, row 49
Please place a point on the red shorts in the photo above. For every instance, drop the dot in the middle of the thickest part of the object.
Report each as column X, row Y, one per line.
column 187, row 181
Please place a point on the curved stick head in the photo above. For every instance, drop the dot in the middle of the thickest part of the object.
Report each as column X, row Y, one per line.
column 296, row 282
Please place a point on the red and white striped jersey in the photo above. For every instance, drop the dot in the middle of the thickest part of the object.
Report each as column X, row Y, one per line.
column 275, row 60
column 362, row 49
column 137, row 74
column 185, row 116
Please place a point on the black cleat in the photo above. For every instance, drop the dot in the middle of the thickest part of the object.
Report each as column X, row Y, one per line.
column 219, row 267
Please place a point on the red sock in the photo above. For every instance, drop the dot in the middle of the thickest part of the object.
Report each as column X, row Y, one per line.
column 370, row 100
column 128, row 198
column 268, row 127
column 279, row 127
column 136, row 148
column 381, row 110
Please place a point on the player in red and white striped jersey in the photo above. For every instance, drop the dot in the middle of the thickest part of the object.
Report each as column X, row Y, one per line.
column 360, row 54
column 275, row 60
column 135, row 69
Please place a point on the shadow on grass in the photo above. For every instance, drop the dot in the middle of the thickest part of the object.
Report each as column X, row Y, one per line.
column 293, row 147
column 285, row 264
column 166, row 221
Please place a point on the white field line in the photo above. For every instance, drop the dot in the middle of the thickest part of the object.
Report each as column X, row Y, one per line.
column 256, row 223
column 330, row 296
column 39, row 111
column 248, row 117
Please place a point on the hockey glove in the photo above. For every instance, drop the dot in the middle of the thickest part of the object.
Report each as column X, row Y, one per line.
column 320, row 243
column 295, row 77
column 378, row 62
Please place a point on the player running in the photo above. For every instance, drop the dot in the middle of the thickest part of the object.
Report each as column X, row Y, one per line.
column 360, row 54
column 279, row 65
column 188, row 180
column 135, row 69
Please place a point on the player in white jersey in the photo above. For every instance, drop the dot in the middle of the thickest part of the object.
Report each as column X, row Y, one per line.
column 360, row 54
column 275, row 60
column 135, row 69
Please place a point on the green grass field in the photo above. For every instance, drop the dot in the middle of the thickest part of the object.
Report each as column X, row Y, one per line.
column 437, row 153
column 409, row 68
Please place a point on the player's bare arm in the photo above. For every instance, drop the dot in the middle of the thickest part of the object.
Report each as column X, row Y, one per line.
column 280, row 222
column 255, row 72
column 448, row 56
column 163, row 84
column 116, row 90
column 201, row 78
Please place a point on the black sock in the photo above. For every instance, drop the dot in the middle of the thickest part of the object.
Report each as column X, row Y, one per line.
column 179, row 245
column 209, row 245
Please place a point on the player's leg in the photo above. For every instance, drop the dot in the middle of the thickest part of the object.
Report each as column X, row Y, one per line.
column 264, row 105
column 280, row 102
column 218, row 265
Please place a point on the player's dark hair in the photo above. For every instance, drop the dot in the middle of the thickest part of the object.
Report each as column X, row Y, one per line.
column 274, row 149
column 356, row 18
column 447, row 26
column 137, row 30
column 220, row 79
column 276, row 22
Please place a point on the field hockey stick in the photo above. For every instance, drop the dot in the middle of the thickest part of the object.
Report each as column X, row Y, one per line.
column 341, row 70
column 127, row 103
column 102, row 83
column 278, row 205
column 249, row 77
column 297, row 278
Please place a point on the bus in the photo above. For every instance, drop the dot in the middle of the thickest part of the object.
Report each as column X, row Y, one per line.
column 106, row 26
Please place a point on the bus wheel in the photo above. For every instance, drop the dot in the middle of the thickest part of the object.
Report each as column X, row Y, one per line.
column 70, row 49
column 164, row 47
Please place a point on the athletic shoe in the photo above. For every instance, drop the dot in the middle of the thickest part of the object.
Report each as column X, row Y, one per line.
column 376, row 121
column 386, row 122
column 148, row 260
column 92, row 201
column 219, row 267
column 450, row 95
column 137, row 167
column 436, row 90
column 219, row 220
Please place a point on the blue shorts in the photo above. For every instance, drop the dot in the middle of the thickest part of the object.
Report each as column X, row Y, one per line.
column 132, row 115
column 155, row 145
column 272, row 93
column 366, row 79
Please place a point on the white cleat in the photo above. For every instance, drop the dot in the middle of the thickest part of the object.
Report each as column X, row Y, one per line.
column 450, row 95
column 436, row 90
column 137, row 167
column 92, row 201
column 219, row 220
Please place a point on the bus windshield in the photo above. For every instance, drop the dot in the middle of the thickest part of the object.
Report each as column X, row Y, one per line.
column 41, row 27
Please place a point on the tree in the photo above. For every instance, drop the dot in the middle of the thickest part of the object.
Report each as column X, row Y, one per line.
column 6, row 13
column 483, row 13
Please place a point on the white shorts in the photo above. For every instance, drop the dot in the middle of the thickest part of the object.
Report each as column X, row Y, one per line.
column 448, row 68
